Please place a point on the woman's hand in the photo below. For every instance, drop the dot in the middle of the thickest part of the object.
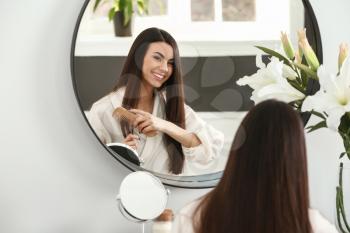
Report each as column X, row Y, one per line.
column 147, row 123
column 131, row 140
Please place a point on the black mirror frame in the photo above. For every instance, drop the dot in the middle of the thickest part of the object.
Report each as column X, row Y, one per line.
column 207, row 180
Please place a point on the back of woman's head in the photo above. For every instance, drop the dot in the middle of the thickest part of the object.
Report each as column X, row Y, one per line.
column 264, row 187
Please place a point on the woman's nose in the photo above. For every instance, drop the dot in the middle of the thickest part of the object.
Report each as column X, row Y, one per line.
column 164, row 66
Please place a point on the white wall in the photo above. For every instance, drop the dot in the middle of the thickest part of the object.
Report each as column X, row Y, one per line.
column 324, row 146
column 54, row 176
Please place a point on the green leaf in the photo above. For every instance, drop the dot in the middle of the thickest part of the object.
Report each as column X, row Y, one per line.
column 140, row 6
column 344, row 127
column 304, row 78
column 310, row 73
column 116, row 5
column 275, row 54
column 97, row 2
column 320, row 115
column 321, row 124
column 127, row 11
column 122, row 4
column 342, row 155
column 111, row 14
column 296, row 85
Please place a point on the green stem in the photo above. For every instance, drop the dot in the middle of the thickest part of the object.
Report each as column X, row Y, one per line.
column 338, row 212
column 341, row 176
column 300, row 81
column 340, row 203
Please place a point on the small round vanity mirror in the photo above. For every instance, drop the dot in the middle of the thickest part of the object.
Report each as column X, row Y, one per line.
column 142, row 197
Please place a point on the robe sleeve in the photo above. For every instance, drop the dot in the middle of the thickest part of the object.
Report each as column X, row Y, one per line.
column 212, row 140
column 319, row 223
column 94, row 117
column 183, row 222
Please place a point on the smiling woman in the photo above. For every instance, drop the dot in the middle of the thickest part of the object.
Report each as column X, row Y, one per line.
column 151, row 87
column 189, row 103
column 157, row 64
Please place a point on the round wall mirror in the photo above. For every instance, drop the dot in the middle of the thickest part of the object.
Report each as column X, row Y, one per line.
column 216, row 42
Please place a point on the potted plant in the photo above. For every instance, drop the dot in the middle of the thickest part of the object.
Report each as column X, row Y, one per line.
column 121, row 13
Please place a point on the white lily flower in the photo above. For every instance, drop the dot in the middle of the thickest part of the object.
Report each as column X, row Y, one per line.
column 333, row 97
column 270, row 82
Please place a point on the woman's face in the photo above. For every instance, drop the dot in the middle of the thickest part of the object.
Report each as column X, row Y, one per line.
column 157, row 64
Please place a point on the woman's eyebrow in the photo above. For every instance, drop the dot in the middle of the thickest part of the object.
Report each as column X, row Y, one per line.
column 162, row 56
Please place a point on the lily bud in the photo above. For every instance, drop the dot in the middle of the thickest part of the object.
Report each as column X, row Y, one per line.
column 298, row 58
column 287, row 46
column 301, row 34
column 343, row 53
column 309, row 53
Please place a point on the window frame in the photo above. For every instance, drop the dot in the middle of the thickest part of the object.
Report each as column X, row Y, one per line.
column 211, row 38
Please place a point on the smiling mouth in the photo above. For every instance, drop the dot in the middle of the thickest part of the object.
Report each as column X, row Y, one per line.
column 158, row 77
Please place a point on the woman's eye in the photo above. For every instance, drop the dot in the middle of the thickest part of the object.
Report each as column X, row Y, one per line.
column 157, row 58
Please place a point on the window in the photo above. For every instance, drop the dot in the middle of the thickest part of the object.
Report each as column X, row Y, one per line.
column 201, row 27
column 157, row 7
column 238, row 10
column 202, row 10
column 210, row 20
column 223, row 10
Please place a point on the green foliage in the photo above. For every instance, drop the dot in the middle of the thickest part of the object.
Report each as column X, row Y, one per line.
column 307, row 71
column 344, row 131
column 321, row 124
column 275, row 54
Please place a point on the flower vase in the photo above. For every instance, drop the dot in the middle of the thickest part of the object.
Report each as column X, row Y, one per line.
column 343, row 198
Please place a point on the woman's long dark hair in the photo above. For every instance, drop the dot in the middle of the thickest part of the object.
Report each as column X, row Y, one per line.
column 131, row 79
column 264, row 188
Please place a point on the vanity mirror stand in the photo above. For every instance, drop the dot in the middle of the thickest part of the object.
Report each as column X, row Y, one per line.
column 142, row 197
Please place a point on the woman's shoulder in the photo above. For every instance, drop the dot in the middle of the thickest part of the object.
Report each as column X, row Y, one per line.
column 113, row 99
column 189, row 209
column 184, row 218
column 319, row 223
column 190, row 114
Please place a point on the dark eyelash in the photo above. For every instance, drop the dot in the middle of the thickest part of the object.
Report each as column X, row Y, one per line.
column 157, row 57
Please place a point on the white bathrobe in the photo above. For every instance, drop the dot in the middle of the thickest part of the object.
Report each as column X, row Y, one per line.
column 198, row 160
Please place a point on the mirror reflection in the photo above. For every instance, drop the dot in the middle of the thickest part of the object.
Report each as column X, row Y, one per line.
column 175, row 79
